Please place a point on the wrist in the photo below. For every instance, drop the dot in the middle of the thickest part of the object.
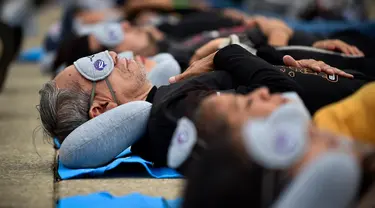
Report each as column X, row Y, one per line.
column 232, row 39
column 279, row 38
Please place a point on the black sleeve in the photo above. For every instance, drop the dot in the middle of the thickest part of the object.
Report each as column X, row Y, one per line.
column 163, row 122
column 361, row 41
column 358, row 66
column 170, row 103
column 249, row 70
column 302, row 38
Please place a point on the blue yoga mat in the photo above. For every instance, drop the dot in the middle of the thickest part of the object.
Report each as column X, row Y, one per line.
column 31, row 55
column 125, row 158
column 106, row 200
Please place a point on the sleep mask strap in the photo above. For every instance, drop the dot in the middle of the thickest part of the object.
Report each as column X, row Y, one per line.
column 110, row 89
column 92, row 93
column 95, row 68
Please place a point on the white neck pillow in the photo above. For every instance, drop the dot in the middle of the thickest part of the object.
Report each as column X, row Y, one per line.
column 101, row 139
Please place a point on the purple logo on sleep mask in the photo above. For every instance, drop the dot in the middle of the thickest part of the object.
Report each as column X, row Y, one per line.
column 112, row 35
column 182, row 137
column 284, row 145
column 99, row 65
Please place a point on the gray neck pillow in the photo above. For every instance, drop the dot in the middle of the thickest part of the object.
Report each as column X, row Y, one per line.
column 166, row 67
column 101, row 139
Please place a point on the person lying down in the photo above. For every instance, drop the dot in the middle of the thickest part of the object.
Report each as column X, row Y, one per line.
column 65, row 106
column 158, row 68
column 104, row 36
column 148, row 41
column 275, row 157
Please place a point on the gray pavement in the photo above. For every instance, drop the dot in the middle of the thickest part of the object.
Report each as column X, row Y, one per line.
column 26, row 175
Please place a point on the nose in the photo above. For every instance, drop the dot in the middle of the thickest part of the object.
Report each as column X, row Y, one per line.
column 126, row 26
column 113, row 56
column 262, row 93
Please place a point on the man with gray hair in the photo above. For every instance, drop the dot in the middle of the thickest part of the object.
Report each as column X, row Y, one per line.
column 66, row 102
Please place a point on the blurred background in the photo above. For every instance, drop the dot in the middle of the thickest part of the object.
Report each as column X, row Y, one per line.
column 309, row 9
column 29, row 32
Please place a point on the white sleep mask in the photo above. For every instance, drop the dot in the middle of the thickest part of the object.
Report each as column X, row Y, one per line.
column 126, row 54
column 109, row 34
column 183, row 141
column 279, row 140
column 95, row 68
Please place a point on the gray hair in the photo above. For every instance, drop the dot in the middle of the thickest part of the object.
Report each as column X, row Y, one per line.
column 63, row 110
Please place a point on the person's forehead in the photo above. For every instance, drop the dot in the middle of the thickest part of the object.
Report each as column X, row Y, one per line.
column 67, row 76
column 221, row 102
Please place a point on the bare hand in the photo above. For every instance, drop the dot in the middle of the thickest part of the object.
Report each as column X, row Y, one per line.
column 339, row 45
column 235, row 14
column 317, row 66
column 267, row 25
column 207, row 49
column 197, row 68
column 277, row 31
column 88, row 17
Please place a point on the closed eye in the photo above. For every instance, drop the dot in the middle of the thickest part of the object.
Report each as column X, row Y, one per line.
column 249, row 102
column 116, row 59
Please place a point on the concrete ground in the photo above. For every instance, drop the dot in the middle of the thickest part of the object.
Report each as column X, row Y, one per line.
column 26, row 175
